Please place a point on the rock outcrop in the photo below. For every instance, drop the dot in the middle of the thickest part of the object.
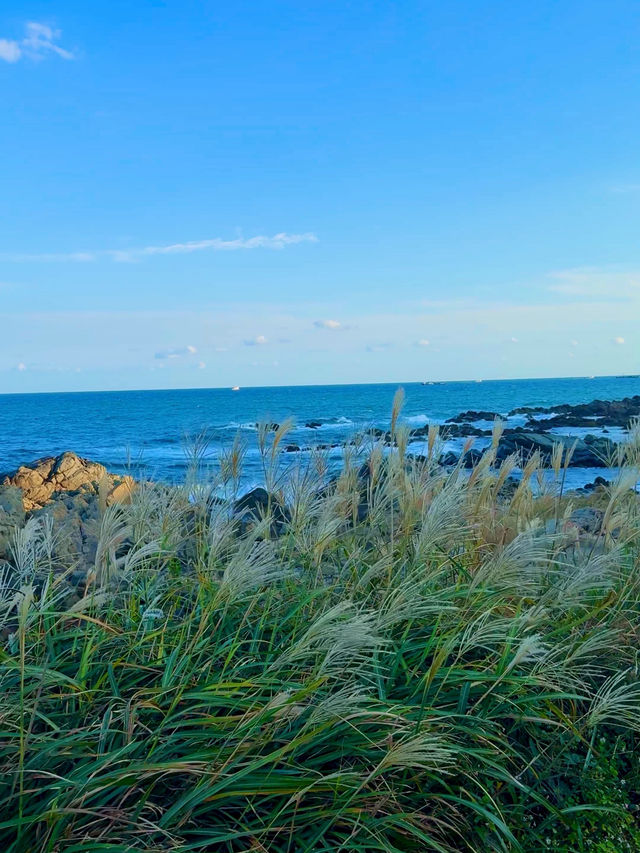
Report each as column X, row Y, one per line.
column 68, row 472
column 587, row 453
column 616, row 413
column 73, row 491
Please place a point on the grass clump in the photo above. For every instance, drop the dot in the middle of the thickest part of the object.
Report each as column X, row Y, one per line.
column 401, row 659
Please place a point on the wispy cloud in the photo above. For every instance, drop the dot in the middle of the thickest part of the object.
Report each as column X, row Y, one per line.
column 618, row 341
column 327, row 324
column 423, row 342
column 624, row 189
column 176, row 352
column 38, row 42
column 216, row 244
column 595, row 282
column 258, row 341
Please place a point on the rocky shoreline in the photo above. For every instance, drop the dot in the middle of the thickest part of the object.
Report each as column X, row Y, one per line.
column 536, row 434
column 75, row 491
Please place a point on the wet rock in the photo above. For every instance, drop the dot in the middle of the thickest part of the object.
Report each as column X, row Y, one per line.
column 449, row 459
column 609, row 413
column 472, row 415
column 451, row 430
column 472, row 458
column 313, row 424
column 584, row 455
column 598, row 484
column 292, row 448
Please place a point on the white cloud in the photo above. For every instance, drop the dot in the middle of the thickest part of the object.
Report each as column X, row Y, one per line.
column 258, row 341
column 327, row 324
column 423, row 342
column 618, row 340
column 277, row 241
column 10, row 50
column 201, row 365
column 573, row 342
column 514, row 340
column 39, row 41
column 21, row 366
column 176, row 352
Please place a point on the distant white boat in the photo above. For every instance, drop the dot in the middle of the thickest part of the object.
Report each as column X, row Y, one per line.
column 236, row 388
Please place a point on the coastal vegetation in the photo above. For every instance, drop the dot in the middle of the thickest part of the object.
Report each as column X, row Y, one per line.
column 402, row 657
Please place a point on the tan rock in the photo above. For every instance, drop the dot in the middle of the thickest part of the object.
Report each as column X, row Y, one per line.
column 121, row 493
column 67, row 472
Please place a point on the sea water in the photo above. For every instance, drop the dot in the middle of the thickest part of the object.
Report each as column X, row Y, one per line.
column 148, row 432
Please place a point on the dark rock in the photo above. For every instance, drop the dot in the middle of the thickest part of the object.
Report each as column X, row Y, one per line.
column 12, row 515
column 598, row 483
column 256, row 504
column 292, row 448
column 473, row 415
column 587, row 519
column 449, row 459
column 608, row 412
column 472, row 458
column 313, row 424
column 584, row 455
column 451, row 430
column 255, row 501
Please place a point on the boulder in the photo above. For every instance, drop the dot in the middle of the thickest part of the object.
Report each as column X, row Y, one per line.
column 449, row 459
column 255, row 505
column 584, row 455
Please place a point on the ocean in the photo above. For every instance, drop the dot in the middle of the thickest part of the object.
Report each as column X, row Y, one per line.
column 147, row 432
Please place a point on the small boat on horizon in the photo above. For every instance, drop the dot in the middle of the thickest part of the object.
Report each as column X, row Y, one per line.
column 236, row 388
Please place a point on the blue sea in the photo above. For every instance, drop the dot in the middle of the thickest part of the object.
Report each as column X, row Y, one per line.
column 147, row 432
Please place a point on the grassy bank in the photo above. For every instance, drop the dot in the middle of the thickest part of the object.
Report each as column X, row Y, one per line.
column 405, row 659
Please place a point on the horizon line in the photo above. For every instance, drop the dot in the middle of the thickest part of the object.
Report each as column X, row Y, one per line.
column 325, row 385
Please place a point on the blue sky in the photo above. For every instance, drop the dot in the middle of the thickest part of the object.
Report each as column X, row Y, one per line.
column 205, row 194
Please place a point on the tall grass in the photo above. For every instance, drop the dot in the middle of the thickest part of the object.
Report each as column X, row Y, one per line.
column 406, row 659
